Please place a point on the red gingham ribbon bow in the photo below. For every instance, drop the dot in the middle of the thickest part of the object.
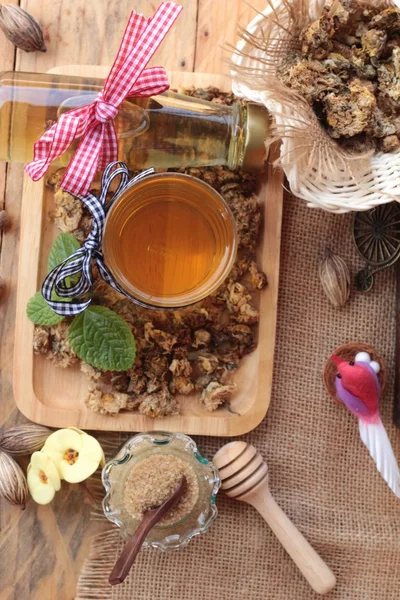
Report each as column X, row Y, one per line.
column 93, row 123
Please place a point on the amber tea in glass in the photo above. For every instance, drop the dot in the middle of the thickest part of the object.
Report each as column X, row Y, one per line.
column 169, row 240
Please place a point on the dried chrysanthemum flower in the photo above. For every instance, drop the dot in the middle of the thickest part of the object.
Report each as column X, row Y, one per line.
column 216, row 394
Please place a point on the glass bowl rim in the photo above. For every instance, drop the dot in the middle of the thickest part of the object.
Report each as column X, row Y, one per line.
column 126, row 449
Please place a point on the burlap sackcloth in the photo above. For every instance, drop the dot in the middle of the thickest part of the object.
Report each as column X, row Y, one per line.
column 320, row 472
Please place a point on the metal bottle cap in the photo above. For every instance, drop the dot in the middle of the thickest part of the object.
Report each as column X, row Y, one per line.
column 257, row 130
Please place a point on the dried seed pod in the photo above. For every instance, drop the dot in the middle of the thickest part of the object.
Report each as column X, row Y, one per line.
column 13, row 486
column 24, row 439
column 5, row 221
column 335, row 278
column 21, row 28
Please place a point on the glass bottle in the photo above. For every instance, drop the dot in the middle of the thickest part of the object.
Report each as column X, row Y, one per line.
column 166, row 131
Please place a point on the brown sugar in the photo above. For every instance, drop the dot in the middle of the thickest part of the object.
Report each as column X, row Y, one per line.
column 153, row 480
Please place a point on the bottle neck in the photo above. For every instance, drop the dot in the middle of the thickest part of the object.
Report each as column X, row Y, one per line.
column 250, row 137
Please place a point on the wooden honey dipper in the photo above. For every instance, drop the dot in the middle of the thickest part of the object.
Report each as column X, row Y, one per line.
column 244, row 476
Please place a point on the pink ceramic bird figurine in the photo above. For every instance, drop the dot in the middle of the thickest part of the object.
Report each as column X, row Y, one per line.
column 357, row 387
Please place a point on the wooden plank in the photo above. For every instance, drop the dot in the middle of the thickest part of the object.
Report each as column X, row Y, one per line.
column 89, row 33
column 7, row 251
column 217, row 26
column 177, row 79
column 34, row 559
column 178, row 50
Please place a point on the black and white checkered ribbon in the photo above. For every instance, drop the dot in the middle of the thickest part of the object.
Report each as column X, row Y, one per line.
column 81, row 261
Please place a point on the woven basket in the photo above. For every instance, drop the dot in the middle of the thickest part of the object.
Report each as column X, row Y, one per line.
column 317, row 169
column 348, row 352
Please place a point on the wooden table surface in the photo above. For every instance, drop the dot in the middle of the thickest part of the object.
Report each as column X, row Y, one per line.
column 42, row 548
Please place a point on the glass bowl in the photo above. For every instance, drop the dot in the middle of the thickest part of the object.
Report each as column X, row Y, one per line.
column 169, row 240
column 141, row 446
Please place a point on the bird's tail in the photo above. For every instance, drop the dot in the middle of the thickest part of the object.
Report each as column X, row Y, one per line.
column 376, row 439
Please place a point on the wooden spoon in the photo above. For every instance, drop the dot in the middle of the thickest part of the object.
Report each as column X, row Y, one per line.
column 244, row 476
column 150, row 518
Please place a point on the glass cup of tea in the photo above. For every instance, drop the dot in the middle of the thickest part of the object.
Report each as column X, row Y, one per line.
column 169, row 240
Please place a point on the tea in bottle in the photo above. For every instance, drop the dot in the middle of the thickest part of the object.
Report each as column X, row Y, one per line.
column 166, row 131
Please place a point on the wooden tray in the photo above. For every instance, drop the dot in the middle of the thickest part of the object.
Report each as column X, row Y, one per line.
column 52, row 396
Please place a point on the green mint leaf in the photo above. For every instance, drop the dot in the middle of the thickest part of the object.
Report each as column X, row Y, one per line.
column 40, row 313
column 64, row 245
column 56, row 298
column 103, row 339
